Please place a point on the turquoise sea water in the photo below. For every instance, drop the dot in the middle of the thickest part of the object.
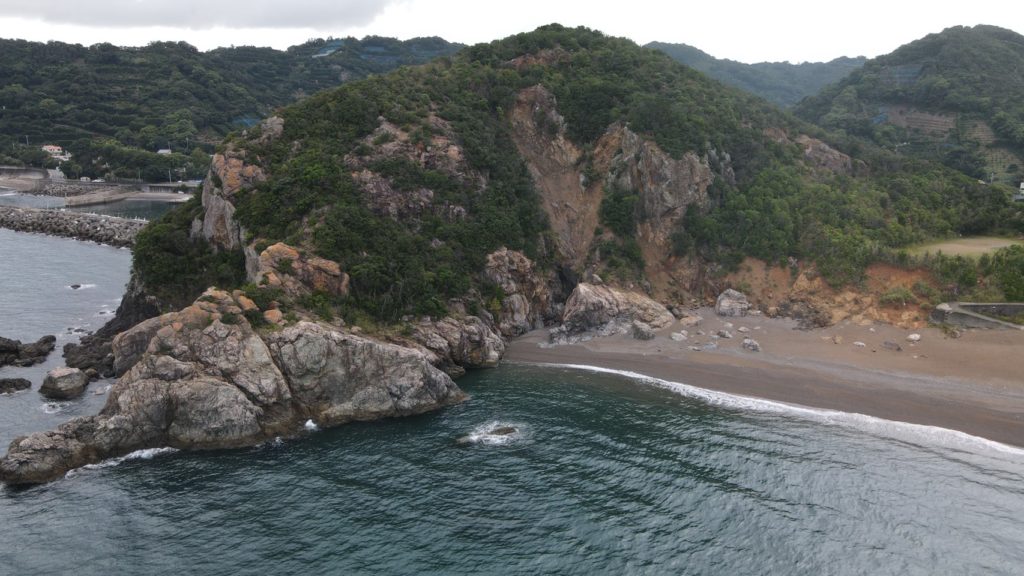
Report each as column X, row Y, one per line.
column 608, row 474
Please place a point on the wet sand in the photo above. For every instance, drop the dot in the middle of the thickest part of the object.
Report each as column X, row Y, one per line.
column 974, row 384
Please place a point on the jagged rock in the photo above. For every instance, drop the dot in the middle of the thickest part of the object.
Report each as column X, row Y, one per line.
column 282, row 266
column 340, row 377
column 610, row 310
column 13, row 352
column 642, row 331
column 751, row 344
column 64, row 383
column 94, row 351
column 731, row 303
column 527, row 300
column 456, row 344
column 207, row 380
column 9, row 385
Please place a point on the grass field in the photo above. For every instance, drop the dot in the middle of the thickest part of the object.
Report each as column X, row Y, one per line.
column 971, row 247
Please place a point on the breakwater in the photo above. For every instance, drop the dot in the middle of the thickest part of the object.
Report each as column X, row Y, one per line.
column 93, row 227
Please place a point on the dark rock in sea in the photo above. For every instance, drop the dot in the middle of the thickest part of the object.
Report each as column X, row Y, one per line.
column 75, row 286
column 94, row 351
column 201, row 383
column 13, row 352
column 64, row 383
column 8, row 385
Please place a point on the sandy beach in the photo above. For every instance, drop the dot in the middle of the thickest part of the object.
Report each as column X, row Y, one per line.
column 974, row 384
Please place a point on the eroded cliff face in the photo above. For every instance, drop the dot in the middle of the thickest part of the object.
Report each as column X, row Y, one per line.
column 620, row 158
column 203, row 378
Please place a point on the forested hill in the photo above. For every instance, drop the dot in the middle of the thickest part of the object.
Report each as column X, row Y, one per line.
column 587, row 152
column 100, row 98
column 782, row 83
column 956, row 96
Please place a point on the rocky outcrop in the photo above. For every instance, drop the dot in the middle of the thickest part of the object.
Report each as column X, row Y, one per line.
column 10, row 385
column 230, row 172
column 15, row 353
column 732, row 303
column 94, row 351
column 64, row 383
column 90, row 227
column 527, row 299
column 454, row 344
column 297, row 274
column 665, row 186
column 608, row 310
column 338, row 378
column 206, row 379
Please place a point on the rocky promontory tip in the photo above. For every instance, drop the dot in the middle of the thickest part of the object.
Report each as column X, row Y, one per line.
column 203, row 378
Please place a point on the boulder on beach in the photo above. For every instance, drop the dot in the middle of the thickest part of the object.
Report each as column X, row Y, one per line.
column 751, row 344
column 732, row 303
column 642, row 331
column 64, row 383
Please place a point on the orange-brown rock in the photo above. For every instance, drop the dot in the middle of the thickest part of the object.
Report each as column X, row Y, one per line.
column 282, row 266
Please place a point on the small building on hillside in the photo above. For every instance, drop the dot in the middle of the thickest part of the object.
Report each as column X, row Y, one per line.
column 1019, row 196
column 164, row 151
column 56, row 152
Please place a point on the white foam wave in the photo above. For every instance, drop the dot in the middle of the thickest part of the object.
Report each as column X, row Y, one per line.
column 146, row 454
column 53, row 407
column 880, row 426
column 310, row 426
column 494, row 433
column 5, row 194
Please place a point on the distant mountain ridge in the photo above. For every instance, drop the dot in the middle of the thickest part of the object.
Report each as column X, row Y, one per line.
column 956, row 96
column 782, row 83
column 169, row 94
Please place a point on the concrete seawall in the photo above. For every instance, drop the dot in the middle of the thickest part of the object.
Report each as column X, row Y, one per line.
column 92, row 227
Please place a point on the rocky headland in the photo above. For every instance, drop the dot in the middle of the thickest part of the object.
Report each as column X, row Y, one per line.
column 204, row 378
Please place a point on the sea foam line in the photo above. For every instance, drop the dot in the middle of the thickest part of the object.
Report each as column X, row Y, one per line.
column 891, row 428
column 145, row 454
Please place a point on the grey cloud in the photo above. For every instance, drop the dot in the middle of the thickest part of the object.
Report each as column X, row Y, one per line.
column 200, row 14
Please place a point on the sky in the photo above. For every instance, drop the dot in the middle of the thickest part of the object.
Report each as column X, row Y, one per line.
column 744, row 30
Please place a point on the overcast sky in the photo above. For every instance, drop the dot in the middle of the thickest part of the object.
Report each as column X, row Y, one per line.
column 748, row 31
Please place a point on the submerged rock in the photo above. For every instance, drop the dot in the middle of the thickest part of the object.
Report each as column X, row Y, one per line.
column 205, row 379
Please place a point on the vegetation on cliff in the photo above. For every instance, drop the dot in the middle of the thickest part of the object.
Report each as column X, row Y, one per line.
column 781, row 83
column 410, row 179
column 114, row 107
column 955, row 97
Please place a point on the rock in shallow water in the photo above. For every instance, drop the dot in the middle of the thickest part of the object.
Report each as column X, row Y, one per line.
column 9, row 385
column 64, row 383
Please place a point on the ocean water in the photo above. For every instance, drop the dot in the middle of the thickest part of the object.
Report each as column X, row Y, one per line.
column 129, row 208
column 606, row 473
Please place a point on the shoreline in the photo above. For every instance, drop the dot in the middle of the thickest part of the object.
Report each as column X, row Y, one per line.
column 972, row 385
